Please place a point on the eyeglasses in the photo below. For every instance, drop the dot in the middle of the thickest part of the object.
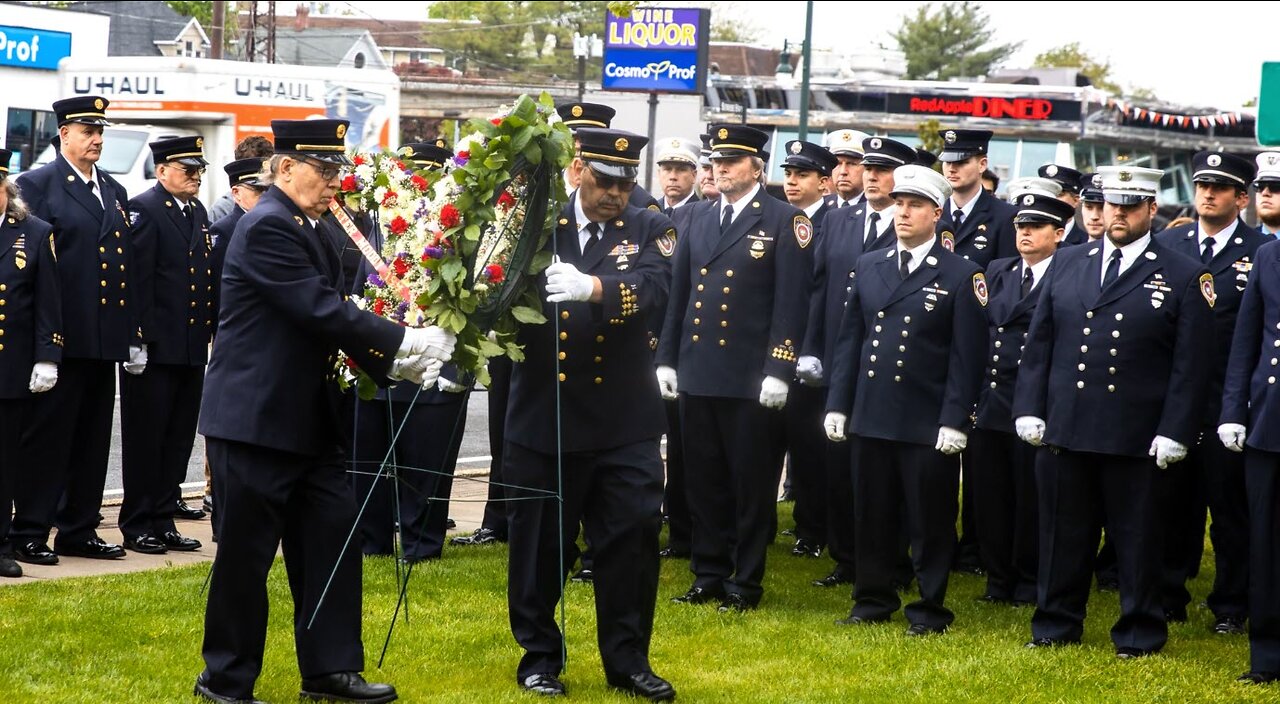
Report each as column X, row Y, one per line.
column 193, row 170
column 327, row 172
column 608, row 183
column 1267, row 186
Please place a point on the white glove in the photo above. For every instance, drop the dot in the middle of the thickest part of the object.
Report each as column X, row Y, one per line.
column 773, row 392
column 809, row 370
column 667, row 385
column 834, row 423
column 1167, row 451
column 1030, row 429
column 950, row 441
column 421, row 369
column 433, row 341
column 43, row 376
column 137, row 360
column 448, row 386
column 1231, row 435
column 566, row 283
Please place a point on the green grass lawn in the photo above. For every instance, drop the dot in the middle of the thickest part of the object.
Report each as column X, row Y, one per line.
column 136, row 638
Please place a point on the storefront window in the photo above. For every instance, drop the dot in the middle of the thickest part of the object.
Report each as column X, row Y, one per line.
column 29, row 131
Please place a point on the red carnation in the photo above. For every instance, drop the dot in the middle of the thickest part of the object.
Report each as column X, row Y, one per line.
column 399, row 225
column 388, row 198
column 401, row 266
column 464, row 155
column 449, row 216
column 494, row 272
column 379, row 305
column 351, row 363
column 349, row 182
column 496, row 121
column 505, row 201
column 358, row 159
column 419, row 182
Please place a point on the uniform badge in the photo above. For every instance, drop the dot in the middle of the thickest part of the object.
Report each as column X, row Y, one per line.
column 980, row 288
column 340, row 132
column 948, row 240
column 796, row 147
column 1028, row 199
column 803, row 229
column 654, row 207
column 564, row 221
column 875, row 143
column 297, row 220
column 1214, row 160
column 621, row 144
column 1051, row 170
column 20, row 260
column 1206, row 289
column 982, row 227
column 20, row 243
column 949, row 137
column 980, row 242
column 667, row 243
column 1157, row 299
column 756, row 249
column 134, row 215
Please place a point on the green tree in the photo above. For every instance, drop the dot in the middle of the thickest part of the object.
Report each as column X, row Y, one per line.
column 730, row 24
column 202, row 10
column 1072, row 56
column 950, row 40
column 927, row 130
column 511, row 38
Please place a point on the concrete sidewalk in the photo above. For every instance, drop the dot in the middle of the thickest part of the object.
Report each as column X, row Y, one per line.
column 470, row 489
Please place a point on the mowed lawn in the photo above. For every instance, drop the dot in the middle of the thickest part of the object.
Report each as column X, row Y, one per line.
column 136, row 638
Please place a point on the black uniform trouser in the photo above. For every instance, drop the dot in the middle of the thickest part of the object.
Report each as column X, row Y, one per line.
column 675, row 499
column 1079, row 492
column 267, row 496
column 890, row 477
column 1211, row 475
column 158, row 413
column 495, row 507
column 806, row 443
column 968, row 549
column 730, row 452
column 419, row 469
column 1262, row 480
column 617, row 495
column 1003, row 483
column 13, row 416
column 67, row 446
column 839, row 498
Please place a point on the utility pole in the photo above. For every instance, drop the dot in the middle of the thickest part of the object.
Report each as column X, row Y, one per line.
column 585, row 47
column 219, row 17
column 271, row 31
column 804, row 71
column 251, row 40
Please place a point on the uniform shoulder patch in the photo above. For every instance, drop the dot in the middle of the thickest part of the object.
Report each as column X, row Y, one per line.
column 667, row 242
column 134, row 216
column 948, row 240
column 803, row 229
column 980, row 288
column 1206, row 288
column 654, row 207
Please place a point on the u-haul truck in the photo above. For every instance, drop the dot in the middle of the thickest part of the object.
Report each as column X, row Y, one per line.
column 223, row 101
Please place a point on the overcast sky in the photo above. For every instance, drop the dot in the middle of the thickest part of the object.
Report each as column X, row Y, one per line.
column 1148, row 45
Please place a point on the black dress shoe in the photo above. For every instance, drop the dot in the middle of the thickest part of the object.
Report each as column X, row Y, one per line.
column 1125, row 652
column 546, row 685
column 584, row 575
column 94, row 548
column 1258, row 677
column 146, row 544
column 920, row 629
column 673, row 552
column 10, row 567
column 202, row 691
column 646, row 685
column 735, row 603
column 188, row 513
column 35, row 554
column 1229, row 626
column 177, row 541
column 1176, row 614
column 207, row 503
column 1049, row 642
column 697, row 595
column 806, row 548
column 835, row 579
column 482, row 536
column 852, row 620
column 346, row 687
column 450, row 524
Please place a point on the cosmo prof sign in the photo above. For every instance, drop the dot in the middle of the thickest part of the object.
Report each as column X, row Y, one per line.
column 656, row 49
column 24, row 47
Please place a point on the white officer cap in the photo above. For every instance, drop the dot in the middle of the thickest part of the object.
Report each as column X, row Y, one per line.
column 1035, row 186
column 678, row 149
column 1126, row 185
column 1268, row 168
column 921, row 181
column 847, row 142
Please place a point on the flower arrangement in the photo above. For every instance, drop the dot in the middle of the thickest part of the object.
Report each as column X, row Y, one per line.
column 459, row 243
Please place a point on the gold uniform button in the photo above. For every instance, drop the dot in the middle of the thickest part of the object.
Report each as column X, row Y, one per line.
column 1080, row 366
column 724, row 307
column 993, row 384
column 562, row 376
column 563, row 355
column 119, row 250
column 104, row 266
column 564, row 315
column 726, row 289
column 1271, row 380
column 1119, row 317
column 1115, row 333
column 193, row 270
column 121, row 302
column 104, row 301
column 599, row 380
column 102, row 250
column 697, row 321
column 1, row 348
column 1087, row 331
column 724, row 323
column 564, row 336
column 193, row 287
column 103, row 283
column 193, row 304
column 121, row 284
column 1111, row 388
column 871, row 374
column 1089, row 314
column 599, row 338
column 599, row 360
column 1079, row 384
column 997, row 344
column 729, row 273
column 723, row 343
column 700, row 287
column 697, row 304
column 695, row 338
column 703, row 271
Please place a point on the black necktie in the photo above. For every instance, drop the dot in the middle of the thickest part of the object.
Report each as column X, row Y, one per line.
column 727, row 220
column 594, row 230
column 1207, row 255
column 667, row 211
column 844, row 204
column 1028, row 281
column 959, row 218
column 904, row 259
column 186, row 212
column 873, row 230
column 1113, row 269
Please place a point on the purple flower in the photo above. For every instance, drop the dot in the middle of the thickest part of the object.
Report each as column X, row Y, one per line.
column 433, row 252
column 461, row 159
column 375, row 280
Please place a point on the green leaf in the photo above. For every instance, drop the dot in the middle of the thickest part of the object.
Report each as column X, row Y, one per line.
column 528, row 316
column 540, row 261
column 490, row 349
column 515, row 352
column 366, row 389
column 453, row 270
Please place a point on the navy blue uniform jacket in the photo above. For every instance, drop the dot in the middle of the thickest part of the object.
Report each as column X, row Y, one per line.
column 1009, row 319
column 95, row 259
column 1107, row 371
column 30, row 303
column 607, row 392
column 738, row 300
column 175, row 278
column 908, row 358
column 987, row 233
column 1250, row 396
column 271, row 379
